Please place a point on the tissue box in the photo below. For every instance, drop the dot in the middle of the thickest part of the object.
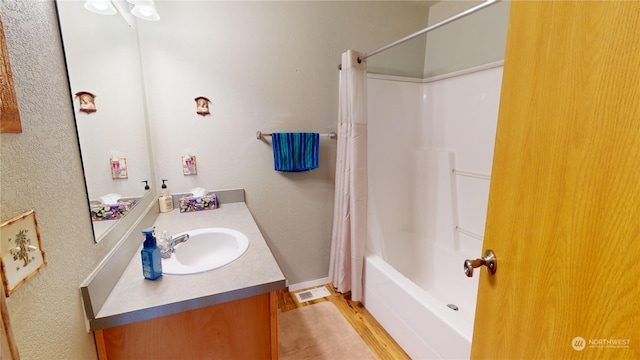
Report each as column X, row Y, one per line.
column 111, row 211
column 197, row 203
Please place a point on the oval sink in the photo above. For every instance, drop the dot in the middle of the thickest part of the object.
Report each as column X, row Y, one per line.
column 206, row 249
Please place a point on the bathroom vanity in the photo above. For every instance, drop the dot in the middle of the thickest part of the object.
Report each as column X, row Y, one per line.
column 229, row 312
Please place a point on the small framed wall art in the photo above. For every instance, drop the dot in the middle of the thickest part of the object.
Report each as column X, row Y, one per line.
column 87, row 101
column 202, row 105
column 20, row 250
column 118, row 168
column 189, row 166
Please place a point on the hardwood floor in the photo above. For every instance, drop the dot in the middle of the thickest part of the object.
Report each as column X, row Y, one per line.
column 378, row 340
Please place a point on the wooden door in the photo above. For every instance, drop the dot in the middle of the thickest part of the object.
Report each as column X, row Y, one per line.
column 564, row 203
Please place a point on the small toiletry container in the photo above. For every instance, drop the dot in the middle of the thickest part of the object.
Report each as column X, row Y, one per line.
column 165, row 202
column 151, row 257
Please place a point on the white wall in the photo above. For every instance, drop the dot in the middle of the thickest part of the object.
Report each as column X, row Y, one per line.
column 268, row 66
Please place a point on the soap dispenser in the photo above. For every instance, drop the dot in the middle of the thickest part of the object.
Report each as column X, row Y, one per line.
column 165, row 201
column 151, row 257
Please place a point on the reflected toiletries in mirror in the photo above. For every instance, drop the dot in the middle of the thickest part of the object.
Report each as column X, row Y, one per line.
column 103, row 61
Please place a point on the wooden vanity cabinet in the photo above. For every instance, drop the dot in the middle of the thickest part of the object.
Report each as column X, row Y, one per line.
column 240, row 329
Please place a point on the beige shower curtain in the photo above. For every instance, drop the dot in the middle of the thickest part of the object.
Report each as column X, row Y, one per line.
column 350, row 209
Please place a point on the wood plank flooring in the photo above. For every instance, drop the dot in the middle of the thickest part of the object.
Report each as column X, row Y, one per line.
column 373, row 334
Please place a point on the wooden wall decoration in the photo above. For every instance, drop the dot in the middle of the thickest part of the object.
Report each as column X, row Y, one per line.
column 202, row 105
column 9, row 113
column 21, row 254
column 87, row 101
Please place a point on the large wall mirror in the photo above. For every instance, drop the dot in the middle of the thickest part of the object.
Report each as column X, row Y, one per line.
column 105, row 76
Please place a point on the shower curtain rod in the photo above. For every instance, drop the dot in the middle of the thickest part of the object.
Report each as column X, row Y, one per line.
column 427, row 29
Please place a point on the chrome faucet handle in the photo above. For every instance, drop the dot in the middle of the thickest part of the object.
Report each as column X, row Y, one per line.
column 169, row 243
column 165, row 244
column 488, row 259
column 165, row 248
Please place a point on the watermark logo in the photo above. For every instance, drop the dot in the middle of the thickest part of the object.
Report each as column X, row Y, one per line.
column 578, row 343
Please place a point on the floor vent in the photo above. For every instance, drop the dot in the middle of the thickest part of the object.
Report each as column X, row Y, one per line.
column 312, row 294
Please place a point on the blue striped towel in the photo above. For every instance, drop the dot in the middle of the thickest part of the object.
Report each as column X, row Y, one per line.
column 295, row 151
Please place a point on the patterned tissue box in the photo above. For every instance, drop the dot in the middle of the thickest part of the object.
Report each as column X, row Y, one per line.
column 111, row 211
column 198, row 203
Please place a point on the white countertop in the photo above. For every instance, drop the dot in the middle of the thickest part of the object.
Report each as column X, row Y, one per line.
column 134, row 298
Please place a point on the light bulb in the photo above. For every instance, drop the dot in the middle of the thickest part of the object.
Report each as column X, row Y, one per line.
column 102, row 7
column 145, row 10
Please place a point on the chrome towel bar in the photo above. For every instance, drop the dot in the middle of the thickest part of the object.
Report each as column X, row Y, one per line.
column 331, row 135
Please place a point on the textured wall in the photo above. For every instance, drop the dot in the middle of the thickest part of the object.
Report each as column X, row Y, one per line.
column 41, row 170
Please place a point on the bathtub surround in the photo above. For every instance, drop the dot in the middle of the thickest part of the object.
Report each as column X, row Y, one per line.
column 350, row 210
column 431, row 128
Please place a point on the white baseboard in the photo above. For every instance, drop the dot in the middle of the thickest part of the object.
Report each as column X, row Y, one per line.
column 309, row 284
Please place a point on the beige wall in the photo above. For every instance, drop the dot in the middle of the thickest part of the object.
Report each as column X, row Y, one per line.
column 41, row 167
column 476, row 39
column 268, row 66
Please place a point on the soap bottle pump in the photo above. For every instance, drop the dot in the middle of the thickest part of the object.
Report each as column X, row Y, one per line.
column 165, row 201
column 151, row 257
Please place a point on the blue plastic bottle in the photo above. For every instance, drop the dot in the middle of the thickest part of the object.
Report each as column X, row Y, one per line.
column 151, row 258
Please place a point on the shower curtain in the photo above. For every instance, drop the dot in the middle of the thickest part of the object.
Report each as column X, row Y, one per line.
column 350, row 209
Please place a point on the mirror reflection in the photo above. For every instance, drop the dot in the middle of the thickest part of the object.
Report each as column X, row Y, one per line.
column 105, row 76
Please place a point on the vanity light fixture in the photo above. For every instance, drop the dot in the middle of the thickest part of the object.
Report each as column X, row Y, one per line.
column 102, row 7
column 142, row 9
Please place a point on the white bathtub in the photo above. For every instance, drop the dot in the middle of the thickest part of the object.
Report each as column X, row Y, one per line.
column 418, row 134
column 420, row 272
column 422, row 324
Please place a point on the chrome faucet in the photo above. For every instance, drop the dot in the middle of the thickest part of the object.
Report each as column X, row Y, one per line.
column 167, row 250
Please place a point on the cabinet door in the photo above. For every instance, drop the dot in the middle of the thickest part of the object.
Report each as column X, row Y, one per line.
column 240, row 329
